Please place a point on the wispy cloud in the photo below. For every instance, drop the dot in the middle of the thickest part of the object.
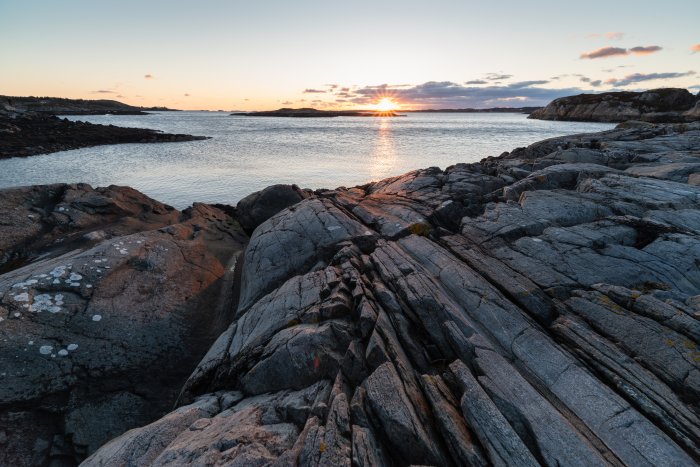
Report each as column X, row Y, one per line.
column 639, row 77
column 695, row 48
column 187, row 94
column 497, row 76
column 645, row 50
column 605, row 52
column 104, row 91
column 149, row 76
column 476, row 81
column 314, row 91
column 613, row 36
column 592, row 82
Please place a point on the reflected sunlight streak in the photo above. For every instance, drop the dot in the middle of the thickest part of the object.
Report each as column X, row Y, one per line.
column 384, row 158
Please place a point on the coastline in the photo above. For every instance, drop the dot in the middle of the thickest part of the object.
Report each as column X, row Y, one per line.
column 434, row 296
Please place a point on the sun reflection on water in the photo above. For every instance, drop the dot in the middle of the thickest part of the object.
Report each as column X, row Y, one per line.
column 384, row 158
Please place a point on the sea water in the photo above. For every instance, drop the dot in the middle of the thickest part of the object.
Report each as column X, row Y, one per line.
column 246, row 154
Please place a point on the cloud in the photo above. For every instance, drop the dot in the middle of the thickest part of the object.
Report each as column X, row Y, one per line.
column 314, row 91
column 476, row 81
column 645, row 50
column 695, row 48
column 119, row 95
column 613, row 36
column 605, row 52
column 149, row 76
column 497, row 76
column 527, row 84
column 639, row 77
column 447, row 94
column 186, row 95
column 287, row 103
column 332, row 86
column 593, row 82
column 344, row 89
column 104, row 91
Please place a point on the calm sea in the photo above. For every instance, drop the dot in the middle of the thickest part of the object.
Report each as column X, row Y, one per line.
column 247, row 154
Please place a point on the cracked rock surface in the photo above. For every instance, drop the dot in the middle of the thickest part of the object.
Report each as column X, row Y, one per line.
column 537, row 308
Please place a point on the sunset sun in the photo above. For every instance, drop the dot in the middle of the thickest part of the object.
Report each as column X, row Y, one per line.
column 386, row 104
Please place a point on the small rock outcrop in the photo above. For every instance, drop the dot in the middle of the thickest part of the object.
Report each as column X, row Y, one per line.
column 537, row 308
column 107, row 302
column 656, row 105
column 258, row 207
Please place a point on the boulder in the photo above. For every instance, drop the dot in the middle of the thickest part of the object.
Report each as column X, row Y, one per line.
column 258, row 207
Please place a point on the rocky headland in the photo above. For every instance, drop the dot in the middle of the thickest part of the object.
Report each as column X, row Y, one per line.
column 666, row 105
column 64, row 106
column 28, row 133
column 537, row 308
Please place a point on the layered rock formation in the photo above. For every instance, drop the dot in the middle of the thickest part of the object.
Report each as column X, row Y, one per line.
column 656, row 105
column 28, row 133
column 107, row 301
column 539, row 308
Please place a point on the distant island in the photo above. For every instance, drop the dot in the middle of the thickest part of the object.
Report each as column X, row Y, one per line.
column 509, row 110
column 663, row 105
column 308, row 112
column 64, row 106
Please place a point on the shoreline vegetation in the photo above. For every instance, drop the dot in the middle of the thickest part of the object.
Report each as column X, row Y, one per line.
column 501, row 312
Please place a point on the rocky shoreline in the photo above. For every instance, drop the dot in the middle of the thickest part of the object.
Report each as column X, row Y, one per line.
column 29, row 133
column 537, row 308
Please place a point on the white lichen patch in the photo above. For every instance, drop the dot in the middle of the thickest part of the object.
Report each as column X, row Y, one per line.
column 21, row 297
column 25, row 284
column 45, row 349
column 58, row 271
column 62, row 353
column 96, row 318
column 74, row 277
column 45, row 302
column 72, row 347
column 124, row 251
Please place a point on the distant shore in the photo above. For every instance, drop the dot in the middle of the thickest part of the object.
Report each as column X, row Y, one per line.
column 315, row 113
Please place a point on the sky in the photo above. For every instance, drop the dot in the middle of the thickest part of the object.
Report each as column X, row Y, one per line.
column 261, row 55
